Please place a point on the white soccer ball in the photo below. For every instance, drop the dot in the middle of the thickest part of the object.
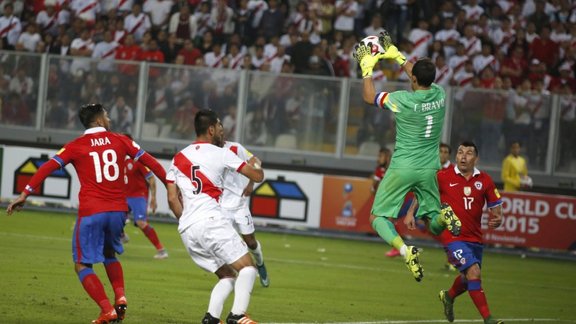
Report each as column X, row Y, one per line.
column 526, row 182
column 374, row 45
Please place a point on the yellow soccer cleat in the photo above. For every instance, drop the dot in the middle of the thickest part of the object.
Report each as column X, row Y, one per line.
column 450, row 219
column 413, row 263
column 448, row 305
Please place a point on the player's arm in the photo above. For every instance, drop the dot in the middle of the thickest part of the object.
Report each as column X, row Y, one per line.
column 253, row 169
column 173, row 199
column 144, row 157
column 495, row 216
column 152, row 188
column 43, row 172
column 410, row 218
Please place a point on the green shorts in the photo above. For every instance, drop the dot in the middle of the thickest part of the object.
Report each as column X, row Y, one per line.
column 398, row 182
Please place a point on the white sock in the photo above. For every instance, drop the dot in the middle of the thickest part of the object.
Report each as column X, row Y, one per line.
column 257, row 253
column 220, row 292
column 403, row 250
column 243, row 289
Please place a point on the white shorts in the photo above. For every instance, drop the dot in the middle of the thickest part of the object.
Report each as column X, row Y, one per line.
column 213, row 242
column 241, row 218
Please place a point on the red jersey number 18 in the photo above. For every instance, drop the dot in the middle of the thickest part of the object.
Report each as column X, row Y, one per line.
column 109, row 169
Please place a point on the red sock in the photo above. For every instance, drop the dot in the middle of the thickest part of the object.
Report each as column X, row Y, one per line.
column 94, row 288
column 116, row 276
column 151, row 235
column 477, row 294
column 458, row 287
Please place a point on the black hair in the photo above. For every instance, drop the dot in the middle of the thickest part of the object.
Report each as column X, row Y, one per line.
column 470, row 144
column 425, row 72
column 446, row 146
column 88, row 113
column 203, row 120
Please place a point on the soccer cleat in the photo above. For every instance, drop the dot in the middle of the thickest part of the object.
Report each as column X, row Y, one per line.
column 124, row 238
column 120, row 306
column 239, row 319
column 209, row 319
column 106, row 318
column 264, row 280
column 413, row 263
column 490, row 320
column 450, row 219
column 393, row 253
column 161, row 254
column 448, row 305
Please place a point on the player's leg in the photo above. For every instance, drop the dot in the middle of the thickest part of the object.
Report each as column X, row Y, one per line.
column 245, row 226
column 112, row 247
column 441, row 215
column 387, row 203
column 394, row 252
column 87, row 249
column 197, row 240
column 474, row 278
column 226, row 244
column 139, row 207
column 226, row 279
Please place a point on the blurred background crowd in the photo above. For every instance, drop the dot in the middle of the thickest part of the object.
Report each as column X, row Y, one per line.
column 525, row 49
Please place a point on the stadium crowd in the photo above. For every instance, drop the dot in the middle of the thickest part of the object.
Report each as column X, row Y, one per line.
column 527, row 48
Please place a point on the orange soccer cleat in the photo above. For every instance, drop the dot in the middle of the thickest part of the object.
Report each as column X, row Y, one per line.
column 106, row 318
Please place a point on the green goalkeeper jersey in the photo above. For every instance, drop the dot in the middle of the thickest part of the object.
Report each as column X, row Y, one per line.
column 419, row 120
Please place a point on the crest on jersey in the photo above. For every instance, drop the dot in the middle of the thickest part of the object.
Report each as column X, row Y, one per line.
column 130, row 166
column 467, row 191
column 478, row 185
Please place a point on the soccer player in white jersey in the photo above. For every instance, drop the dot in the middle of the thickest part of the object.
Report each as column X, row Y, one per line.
column 235, row 205
column 195, row 183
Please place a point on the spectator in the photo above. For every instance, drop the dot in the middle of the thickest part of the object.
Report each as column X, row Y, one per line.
column 459, row 59
column 257, row 8
column 514, row 170
column 540, row 18
column 137, row 23
column 153, row 55
column 472, row 44
column 10, row 28
column 345, row 11
column 15, row 111
column 86, row 10
column 106, row 52
column 272, row 21
column 544, row 49
column 515, row 66
column 375, row 27
column 170, row 47
column 421, row 39
column 29, row 39
column 47, row 19
column 215, row 57
column 202, row 16
column 189, row 53
column 325, row 12
column 443, row 71
column 473, row 10
column 81, row 47
column 235, row 57
column 449, row 37
column 159, row 11
column 128, row 52
column 183, row 24
column 486, row 59
column 221, row 20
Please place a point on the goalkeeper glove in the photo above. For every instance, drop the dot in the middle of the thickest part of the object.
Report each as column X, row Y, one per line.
column 392, row 51
column 363, row 56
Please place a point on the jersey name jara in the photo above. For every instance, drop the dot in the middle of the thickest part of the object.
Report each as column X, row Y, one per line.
column 427, row 106
column 100, row 141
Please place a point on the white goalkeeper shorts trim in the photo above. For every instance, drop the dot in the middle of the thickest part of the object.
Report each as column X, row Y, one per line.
column 213, row 242
column 241, row 218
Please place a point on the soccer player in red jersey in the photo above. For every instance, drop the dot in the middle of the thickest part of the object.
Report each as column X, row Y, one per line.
column 99, row 159
column 141, row 185
column 467, row 189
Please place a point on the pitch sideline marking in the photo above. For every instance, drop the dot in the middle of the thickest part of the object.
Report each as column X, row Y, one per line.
column 444, row 321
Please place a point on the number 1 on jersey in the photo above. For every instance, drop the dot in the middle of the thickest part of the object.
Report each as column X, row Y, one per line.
column 430, row 120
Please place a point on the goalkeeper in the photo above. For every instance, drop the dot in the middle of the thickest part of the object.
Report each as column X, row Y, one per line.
column 419, row 118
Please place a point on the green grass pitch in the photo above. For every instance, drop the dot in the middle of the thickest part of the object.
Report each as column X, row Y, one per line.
column 313, row 280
